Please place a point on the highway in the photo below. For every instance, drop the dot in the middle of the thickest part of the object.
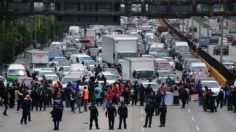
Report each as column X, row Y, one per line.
column 214, row 24
column 190, row 119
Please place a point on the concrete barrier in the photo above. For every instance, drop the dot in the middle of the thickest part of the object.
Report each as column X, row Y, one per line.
column 212, row 71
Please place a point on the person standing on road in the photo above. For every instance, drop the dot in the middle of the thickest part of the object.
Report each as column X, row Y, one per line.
column 141, row 94
column 111, row 113
column 234, row 99
column 198, row 88
column 86, row 98
column 6, row 101
column 57, row 112
column 183, row 94
column 93, row 116
column 220, row 98
column 157, row 102
column 123, row 114
column 26, row 109
column 149, row 109
column 78, row 100
column 163, row 109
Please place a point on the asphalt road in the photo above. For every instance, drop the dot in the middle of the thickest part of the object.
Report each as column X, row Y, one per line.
column 190, row 119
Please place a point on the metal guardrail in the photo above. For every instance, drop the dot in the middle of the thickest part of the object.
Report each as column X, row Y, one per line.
column 229, row 76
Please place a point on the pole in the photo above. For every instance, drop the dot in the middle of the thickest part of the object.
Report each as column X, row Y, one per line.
column 208, row 34
column 192, row 30
column 221, row 45
column 35, row 29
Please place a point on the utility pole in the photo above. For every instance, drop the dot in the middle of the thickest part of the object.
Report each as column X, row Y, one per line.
column 192, row 30
column 222, row 32
column 208, row 34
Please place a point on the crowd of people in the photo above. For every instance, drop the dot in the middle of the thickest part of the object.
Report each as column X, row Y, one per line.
column 121, row 94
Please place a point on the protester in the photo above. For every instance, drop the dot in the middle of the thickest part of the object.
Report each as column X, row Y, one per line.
column 123, row 114
column 93, row 116
column 111, row 114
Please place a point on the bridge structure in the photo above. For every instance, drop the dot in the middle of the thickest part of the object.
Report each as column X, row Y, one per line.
column 109, row 11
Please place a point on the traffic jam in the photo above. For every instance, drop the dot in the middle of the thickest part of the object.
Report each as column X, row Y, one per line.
column 140, row 51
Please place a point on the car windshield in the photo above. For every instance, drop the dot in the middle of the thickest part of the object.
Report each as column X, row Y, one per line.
column 197, row 68
column 89, row 63
column 45, row 73
column 122, row 55
column 144, row 74
column 162, row 73
column 181, row 48
column 154, row 86
column 53, row 78
column 155, row 49
column 164, row 65
column 210, row 84
column 40, row 65
column 160, row 55
column 228, row 61
column 66, row 69
column 85, row 58
column 66, row 80
column 110, row 77
column 17, row 72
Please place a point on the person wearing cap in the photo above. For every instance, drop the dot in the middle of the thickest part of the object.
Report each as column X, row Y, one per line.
column 26, row 108
column 149, row 109
column 123, row 114
column 93, row 116
column 111, row 112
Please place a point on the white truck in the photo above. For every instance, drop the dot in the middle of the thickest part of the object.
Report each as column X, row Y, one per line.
column 36, row 59
column 138, row 68
column 116, row 47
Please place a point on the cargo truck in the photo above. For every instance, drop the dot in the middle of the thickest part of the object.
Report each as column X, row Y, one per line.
column 138, row 69
column 116, row 47
column 36, row 59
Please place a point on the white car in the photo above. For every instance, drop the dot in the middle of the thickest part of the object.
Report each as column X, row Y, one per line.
column 4, row 80
column 171, row 61
column 52, row 77
column 72, row 77
column 213, row 85
column 110, row 77
column 155, row 86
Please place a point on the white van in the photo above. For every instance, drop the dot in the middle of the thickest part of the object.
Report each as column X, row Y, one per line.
column 17, row 70
column 74, row 30
column 56, row 45
column 79, row 58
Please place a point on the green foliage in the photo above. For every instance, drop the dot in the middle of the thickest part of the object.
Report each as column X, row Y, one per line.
column 17, row 34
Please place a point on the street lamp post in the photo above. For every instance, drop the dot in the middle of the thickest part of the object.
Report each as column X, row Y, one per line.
column 221, row 44
column 208, row 34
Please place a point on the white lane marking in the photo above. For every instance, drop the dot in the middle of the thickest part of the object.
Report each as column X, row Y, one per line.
column 189, row 110
column 142, row 129
column 142, row 119
column 142, row 111
column 193, row 119
column 198, row 129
